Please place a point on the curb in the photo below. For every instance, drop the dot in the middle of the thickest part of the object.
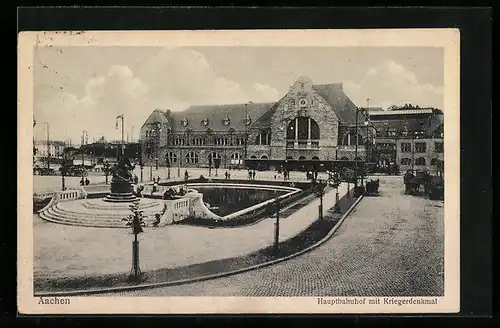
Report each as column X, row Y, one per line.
column 209, row 277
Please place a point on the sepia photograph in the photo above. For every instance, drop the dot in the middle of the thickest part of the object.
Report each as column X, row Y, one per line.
column 239, row 171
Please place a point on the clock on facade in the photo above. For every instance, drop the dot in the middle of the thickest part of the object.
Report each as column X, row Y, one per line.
column 185, row 121
column 226, row 120
column 302, row 102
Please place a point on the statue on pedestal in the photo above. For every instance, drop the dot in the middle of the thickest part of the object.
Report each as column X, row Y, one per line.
column 121, row 183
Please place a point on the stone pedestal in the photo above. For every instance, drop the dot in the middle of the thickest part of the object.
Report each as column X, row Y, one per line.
column 121, row 191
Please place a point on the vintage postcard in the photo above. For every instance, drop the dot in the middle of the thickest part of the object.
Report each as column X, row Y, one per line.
column 256, row 171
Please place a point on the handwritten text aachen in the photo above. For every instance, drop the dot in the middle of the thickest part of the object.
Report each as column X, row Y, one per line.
column 376, row 301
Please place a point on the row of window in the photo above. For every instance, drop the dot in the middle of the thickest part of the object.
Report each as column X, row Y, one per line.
column 418, row 161
column 416, row 134
column 218, row 141
column 421, row 147
column 193, row 157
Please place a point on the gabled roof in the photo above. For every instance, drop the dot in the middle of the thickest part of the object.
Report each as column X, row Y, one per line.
column 264, row 121
column 157, row 116
column 215, row 115
column 343, row 107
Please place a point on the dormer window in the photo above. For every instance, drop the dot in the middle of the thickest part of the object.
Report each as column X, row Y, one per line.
column 185, row 121
column 226, row 121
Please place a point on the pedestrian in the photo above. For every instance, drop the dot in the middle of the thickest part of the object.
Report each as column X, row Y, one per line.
column 253, row 174
column 84, row 193
column 136, row 179
column 87, row 182
column 186, row 175
column 249, row 175
column 229, row 175
column 155, row 187
column 225, row 174
column 82, row 182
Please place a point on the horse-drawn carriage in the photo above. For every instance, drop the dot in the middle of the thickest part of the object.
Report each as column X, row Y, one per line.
column 433, row 185
column 372, row 187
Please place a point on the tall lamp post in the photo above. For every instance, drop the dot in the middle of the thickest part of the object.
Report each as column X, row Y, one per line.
column 356, row 152
column 246, row 123
column 120, row 117
column 48, row 146
column 84, row 142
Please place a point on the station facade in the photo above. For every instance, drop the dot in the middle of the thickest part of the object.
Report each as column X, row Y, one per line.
column 309, row 123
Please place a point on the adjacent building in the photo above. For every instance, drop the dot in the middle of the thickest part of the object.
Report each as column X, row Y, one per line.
column 410, row 138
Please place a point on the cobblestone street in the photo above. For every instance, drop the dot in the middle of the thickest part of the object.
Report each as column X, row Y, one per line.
column 390, row 245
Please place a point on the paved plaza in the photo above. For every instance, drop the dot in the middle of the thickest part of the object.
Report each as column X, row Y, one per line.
column 43, row 184
column 390, row 245
column 68, row 251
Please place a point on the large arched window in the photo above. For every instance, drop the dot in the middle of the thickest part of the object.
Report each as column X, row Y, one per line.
column 350, row 139
column 191, row 158
column 420, row 161
column 171, row 157
column 303, row 128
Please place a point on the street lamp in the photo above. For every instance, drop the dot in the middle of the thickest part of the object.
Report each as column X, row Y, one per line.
column 48, row 146
column 246, row 132
column 84, row 141
column 120, row 117
column 356, row 152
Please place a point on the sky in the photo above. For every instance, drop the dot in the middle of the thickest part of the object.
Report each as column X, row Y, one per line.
column 84, row 88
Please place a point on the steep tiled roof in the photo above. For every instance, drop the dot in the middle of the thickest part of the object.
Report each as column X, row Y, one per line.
column 428, row 123
column 435, row 123
column 156, row 116
column 264, row 121
column 215, row 115
column 334, row 95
